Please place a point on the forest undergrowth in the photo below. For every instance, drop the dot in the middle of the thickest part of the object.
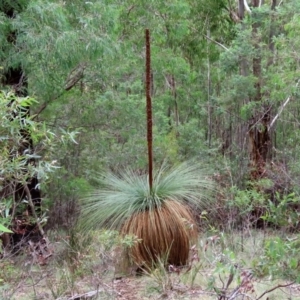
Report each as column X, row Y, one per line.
column 238, row 264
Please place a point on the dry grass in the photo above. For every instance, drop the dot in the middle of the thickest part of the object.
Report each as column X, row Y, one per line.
column 96, row 262
column 166, row 232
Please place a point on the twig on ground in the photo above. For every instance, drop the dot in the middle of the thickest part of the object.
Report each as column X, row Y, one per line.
column 90, row 294
column 274, row 288
column 83, row 296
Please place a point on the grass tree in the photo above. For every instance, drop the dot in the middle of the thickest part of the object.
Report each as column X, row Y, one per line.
column 155, row 207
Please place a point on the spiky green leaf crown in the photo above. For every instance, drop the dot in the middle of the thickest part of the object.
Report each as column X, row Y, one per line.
column 128, row 193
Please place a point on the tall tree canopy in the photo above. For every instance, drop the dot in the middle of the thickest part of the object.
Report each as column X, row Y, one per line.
column 224, row 83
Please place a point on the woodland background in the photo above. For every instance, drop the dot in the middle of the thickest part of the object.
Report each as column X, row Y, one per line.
column 225, row 78
column 224, row 88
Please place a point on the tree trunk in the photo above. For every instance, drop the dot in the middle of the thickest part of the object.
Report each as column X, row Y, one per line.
column 209, row 106
column 171, row 85
column 259, row 137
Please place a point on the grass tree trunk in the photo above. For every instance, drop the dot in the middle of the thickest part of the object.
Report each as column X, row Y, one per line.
column 14, row 79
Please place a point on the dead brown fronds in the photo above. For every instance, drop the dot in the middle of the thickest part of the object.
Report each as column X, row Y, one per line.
column 166, row 232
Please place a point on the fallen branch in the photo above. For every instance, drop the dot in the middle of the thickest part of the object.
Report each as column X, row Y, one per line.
column 83, row 296
column 274, row 288
column 87, row 295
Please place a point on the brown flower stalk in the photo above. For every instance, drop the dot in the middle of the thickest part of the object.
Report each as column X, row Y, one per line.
column 149, row 109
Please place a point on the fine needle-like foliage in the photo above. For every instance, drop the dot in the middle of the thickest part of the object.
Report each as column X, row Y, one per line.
column 160, row 217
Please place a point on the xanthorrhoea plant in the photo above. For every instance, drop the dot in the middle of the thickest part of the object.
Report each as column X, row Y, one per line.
column 155, row 209
column 160, row 217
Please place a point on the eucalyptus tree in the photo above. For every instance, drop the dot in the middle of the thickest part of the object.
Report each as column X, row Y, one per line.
column 259, row 83
column 46, row 46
